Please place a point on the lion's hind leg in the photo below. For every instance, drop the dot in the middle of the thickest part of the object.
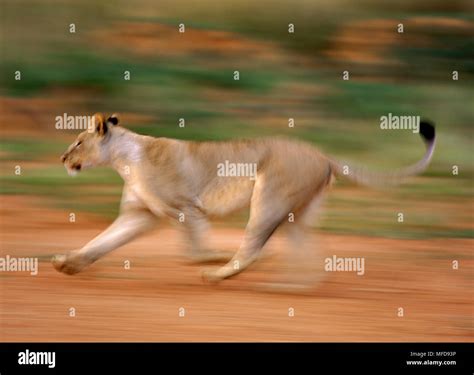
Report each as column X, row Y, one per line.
column 265, row 218
column 302, row 261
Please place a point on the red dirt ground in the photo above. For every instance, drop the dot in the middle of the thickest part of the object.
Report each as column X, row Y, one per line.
column 142, row 303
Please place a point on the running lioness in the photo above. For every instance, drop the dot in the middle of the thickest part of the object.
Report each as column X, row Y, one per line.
column 191, row 181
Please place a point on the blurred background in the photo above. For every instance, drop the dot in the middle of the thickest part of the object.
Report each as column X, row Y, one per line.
column 283, row 75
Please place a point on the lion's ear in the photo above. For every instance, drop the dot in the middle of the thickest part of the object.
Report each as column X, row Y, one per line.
column 100, row 124
column 113, row 119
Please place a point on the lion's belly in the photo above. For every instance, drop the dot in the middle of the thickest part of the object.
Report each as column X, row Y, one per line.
column 227, row 195
column 220, row 197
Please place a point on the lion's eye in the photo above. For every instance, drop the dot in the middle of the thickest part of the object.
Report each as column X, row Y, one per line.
column 79, row 143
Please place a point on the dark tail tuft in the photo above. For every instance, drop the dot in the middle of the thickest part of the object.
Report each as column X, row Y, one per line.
column 427, row 130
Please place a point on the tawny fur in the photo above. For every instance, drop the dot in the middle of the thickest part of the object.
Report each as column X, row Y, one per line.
column 179, row 179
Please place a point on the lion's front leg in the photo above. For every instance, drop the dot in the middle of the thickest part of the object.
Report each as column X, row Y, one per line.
column 197, row 228
column 126, row 227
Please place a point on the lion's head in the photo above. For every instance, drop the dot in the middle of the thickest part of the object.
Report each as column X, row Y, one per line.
column 89, row 148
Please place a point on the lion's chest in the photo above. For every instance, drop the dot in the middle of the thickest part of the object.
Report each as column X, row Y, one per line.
column 159, row 198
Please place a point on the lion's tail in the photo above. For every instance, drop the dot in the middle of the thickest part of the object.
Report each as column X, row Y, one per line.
column 363, row 176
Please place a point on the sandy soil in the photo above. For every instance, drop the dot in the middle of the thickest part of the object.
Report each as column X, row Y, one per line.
column 143, row 302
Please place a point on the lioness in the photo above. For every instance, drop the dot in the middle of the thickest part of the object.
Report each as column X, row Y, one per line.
column 180, row 179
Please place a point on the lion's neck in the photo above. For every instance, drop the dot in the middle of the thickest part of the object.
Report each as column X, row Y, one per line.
column 125, row 151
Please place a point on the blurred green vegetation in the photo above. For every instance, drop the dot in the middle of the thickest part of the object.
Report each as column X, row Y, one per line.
column 282, row 75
